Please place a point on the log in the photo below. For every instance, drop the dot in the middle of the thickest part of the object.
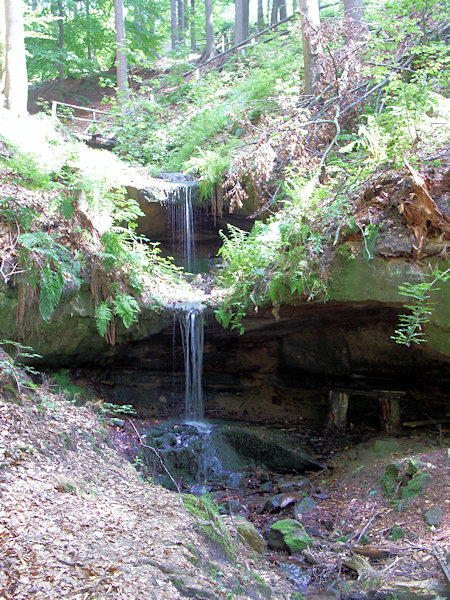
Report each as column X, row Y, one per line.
column 368, row 578
column 376, row 552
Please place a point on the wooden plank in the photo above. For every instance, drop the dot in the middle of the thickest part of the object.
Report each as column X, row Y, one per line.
column 56, row 102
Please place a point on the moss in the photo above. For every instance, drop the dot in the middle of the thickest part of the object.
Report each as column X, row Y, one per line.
column 288, row 534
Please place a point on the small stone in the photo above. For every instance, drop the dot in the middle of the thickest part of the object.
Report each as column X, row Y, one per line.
column 386, row 447
column 267, row 486
column 251, row 536
column 304, row 506
column 433, row 516
column 273, row 504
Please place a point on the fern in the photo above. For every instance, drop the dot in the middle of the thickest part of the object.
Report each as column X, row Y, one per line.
column 103, row 316
column 127, row 308
column 52, row 285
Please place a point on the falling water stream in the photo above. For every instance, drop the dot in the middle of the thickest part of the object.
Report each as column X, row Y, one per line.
column 180, row 208
column 190, row 319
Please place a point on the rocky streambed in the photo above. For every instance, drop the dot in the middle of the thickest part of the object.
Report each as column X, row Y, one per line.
column 321, row 506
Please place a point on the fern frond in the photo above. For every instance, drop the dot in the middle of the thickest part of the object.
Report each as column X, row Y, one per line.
column 103, row 316
column 51, row 284
column 127, row 308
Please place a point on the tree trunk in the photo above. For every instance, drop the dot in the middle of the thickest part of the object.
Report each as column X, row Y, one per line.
column 61, row 50
column 16, row 80
column 274, row 14
column 390, row 414
column 121, row 52
column 173, row 24
column 181, row 26
column 238, row 22
column 2, row 53
column 310, row 18
column 245, row 17
column 260, row 19
column 193, row 32
column 337, row 409
column 283, row 10
column 355, row 25
column 210, row 50
column 88, row 30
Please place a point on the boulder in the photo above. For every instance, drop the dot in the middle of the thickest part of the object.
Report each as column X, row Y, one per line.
column 289, row 535
column 386, row 447
column 250, row 535
column 274, row 449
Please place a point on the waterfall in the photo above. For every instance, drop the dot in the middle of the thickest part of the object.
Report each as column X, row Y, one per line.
column 181, row 224
column 192, row 335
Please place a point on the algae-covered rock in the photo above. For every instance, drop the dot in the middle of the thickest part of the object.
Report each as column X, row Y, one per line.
column 391, row 477
column 250, row 535
column 289, row 535
column 274, row 449
column 433, row 517
column 386, row 447
column 414, row 466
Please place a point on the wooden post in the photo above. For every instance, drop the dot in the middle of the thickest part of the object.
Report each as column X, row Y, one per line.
column 54, row 107
column 337, row 409
column 390, row 413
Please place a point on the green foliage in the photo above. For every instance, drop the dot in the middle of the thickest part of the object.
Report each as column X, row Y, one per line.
column 211, row 525
column 103, row 316
column 50, row 265
column 127, row 308
column 14, row 372
column 19, row 216
column 210, row 165
column 410, row 330
column 72, row 392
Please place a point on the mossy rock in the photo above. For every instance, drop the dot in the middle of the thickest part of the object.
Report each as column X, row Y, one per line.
column 386, row 447
column 391, row 478
column 417, row 486
column 250, row 535
column 289, row 535
column 273, row 449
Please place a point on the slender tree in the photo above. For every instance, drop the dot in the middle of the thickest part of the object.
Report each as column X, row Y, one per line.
column 174, row 24
column 310, row 18
column 181, row 21
column 2, row 52
column 210, row 49
column 274, row 13
column 238, row 21
column 260, row 18
column 121, row 51
column 283, row 9
column 60, row 15
column 245, row 17
column 16, row 80
column 192, row 26
column 355, row 24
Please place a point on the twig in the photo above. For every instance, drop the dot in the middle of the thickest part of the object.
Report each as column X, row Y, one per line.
column 367, row 526
column 144, row 445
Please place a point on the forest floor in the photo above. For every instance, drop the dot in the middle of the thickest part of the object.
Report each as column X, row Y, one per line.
column 77, row 521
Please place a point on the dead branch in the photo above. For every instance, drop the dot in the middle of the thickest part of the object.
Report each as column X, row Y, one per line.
column 144, row 445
